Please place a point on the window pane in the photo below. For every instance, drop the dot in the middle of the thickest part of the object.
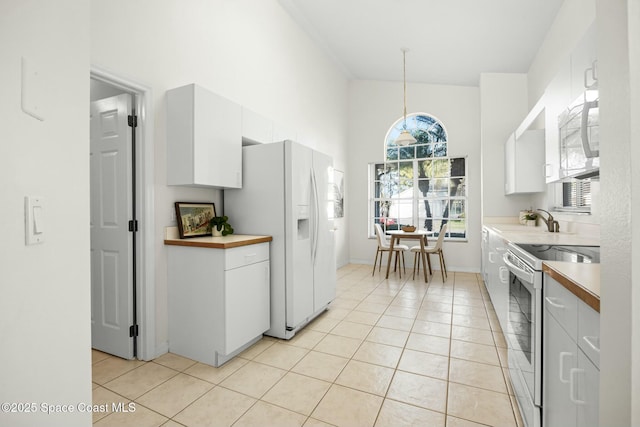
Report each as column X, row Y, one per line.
column 440, row 149
column 458, row 187
column 440, row 168
column 439, row 187
column 423, row 187
column 430, row 224
column 401, row 208
column 379, row 170
column 457, row 228
column 438, row 133
column 392, row 154
column 421, row 135
column 423, row 151
column 407, row 153
column 457, row 167
column 457, row 208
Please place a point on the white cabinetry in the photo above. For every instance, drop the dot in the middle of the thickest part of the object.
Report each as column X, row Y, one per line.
column 524, row 161
column 204, row 141
column 497, row 275
column 218, row 300
column 567, row 85
column 571, row 377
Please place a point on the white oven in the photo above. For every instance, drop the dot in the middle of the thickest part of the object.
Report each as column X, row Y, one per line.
column 524, row 335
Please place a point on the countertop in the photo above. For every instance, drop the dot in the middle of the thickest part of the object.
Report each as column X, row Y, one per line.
column 583, row 280
column 224, row 242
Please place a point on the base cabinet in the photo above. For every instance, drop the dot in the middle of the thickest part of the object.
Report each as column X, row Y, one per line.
column 496, row 274
column 570, row 379
column 219, row 300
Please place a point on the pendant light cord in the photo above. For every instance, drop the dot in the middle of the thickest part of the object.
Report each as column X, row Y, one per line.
column 404, row 79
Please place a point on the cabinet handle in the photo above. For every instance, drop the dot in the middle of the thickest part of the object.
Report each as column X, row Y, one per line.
column 563, row 355
column 592, row 342
column 572, row 386
column 501, row 274
column 553, row 304
column 249, row 256
column 491, row 254
column 545, row 168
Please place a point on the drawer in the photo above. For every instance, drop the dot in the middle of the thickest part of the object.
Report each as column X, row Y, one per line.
column 562, row 305
column 245, row 255
column 589, row 332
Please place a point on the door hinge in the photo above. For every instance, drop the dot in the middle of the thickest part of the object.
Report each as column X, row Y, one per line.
column 133, row 226
column 133, row 121
column 133, row 330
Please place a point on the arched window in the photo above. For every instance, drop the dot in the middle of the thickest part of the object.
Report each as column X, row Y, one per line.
column 419, row 184
column 430, row 135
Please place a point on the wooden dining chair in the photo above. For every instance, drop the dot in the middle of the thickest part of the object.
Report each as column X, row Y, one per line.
column 385, row 246
column 435, row 249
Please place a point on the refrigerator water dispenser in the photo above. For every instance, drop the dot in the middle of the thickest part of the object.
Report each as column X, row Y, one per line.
column 303, row 222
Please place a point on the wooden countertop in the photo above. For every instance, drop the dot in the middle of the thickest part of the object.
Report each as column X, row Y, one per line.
column 224, row 242
column 583, row 280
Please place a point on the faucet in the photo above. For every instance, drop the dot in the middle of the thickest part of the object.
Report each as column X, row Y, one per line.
column 552, row 225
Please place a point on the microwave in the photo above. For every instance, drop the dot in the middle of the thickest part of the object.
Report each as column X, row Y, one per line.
column 579, row 137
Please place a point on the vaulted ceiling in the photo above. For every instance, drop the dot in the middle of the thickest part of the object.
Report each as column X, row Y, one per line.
column 449, row 41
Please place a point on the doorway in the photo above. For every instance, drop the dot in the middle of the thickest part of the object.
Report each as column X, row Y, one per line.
column 123, row 295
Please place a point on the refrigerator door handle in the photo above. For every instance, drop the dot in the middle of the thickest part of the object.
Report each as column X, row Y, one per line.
column 315, row 213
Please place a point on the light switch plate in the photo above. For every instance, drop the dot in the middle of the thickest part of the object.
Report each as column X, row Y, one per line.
column 34, row 218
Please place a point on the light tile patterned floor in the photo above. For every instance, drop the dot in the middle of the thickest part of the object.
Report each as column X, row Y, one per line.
column 394, row 352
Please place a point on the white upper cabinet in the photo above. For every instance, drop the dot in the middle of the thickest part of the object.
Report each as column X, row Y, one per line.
column 568, row 85
column 524, row 161
column 204, row 139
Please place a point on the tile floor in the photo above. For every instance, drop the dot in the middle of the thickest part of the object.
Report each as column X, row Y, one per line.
column 394, row 352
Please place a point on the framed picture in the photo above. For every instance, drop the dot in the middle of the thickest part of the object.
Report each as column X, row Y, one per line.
column 193, row 218
column 338, row 194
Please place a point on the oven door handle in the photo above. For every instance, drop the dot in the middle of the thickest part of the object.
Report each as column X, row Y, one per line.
column 520, row 273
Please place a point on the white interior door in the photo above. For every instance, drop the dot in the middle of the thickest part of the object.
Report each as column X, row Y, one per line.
column 111, row 241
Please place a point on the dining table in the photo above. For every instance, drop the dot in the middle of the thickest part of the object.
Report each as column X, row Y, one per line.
column 397, row 235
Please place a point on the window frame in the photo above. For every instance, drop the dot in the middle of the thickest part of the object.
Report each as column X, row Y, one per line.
column 432, row 145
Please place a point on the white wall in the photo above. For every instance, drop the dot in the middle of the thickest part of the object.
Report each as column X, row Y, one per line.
column 44, row 303
column 373, row 107
column 503, row 105
column 619, row 65
column 249, row 51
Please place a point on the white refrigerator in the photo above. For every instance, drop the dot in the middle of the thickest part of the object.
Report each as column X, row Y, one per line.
column 286, row 193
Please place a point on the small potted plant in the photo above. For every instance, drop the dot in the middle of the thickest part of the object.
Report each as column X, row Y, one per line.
column 220, row 226
column 531, row 219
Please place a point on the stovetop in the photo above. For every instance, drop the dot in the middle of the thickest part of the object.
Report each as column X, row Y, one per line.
column 535, row 254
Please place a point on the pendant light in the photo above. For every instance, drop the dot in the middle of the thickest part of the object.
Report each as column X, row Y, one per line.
column 405, row 138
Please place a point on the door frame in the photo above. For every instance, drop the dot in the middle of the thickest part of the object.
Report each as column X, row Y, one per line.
column 145, row 249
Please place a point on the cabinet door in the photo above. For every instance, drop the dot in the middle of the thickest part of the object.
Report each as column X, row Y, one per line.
column 498, row 278
column 586, row 391
column 582, row 58
column 246, row 295
column 524, row 161
column 485, row 256
column 559, row 358
column 204, row 141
